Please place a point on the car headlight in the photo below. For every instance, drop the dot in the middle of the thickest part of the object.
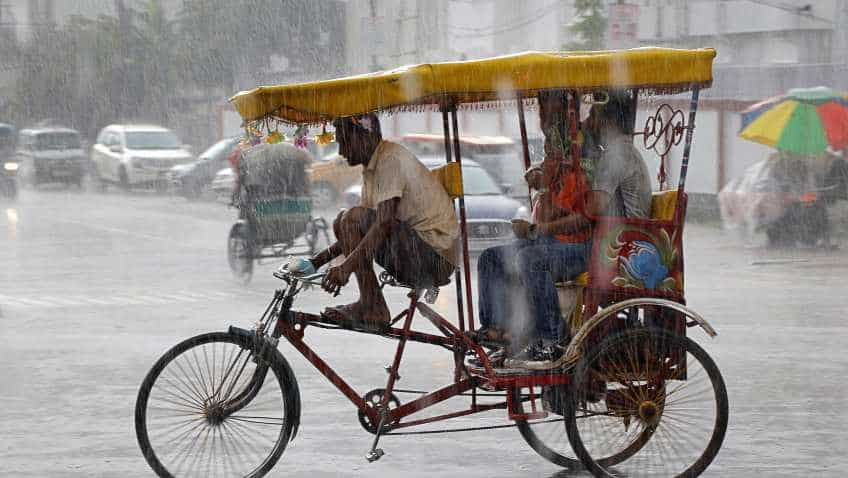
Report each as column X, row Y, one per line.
column 522, row 213
column 10, row 166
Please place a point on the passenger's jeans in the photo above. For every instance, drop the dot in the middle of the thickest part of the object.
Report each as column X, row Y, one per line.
column 518, row 278
column 540, row 267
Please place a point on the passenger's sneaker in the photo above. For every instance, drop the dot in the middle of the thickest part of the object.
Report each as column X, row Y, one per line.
column 536, row 357
column 496, row 358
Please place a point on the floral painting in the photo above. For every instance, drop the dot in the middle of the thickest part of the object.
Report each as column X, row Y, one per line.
column 644, row 259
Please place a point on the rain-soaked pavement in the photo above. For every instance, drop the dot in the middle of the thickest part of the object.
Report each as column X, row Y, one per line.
column 95, row 287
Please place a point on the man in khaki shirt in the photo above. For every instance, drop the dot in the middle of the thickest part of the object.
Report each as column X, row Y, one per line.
column 406, row 223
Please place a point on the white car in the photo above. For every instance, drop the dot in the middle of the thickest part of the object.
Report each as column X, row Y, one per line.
column 223, row 184
column 131, row 155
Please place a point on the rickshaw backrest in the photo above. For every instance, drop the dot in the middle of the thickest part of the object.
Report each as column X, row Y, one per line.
column 450, row 177
column 640, row 257
column 631, row 257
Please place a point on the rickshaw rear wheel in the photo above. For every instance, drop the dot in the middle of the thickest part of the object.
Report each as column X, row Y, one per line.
column 654, row 384
column 183, row 422
column 240, row 253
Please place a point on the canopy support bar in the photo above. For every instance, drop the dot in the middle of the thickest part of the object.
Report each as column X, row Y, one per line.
column 687, row 147
column 466, row 263
column 525, row 148
column 457, row 277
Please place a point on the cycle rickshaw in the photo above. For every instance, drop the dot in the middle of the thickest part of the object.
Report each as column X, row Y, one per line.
column 275, row 208
column 637, row 396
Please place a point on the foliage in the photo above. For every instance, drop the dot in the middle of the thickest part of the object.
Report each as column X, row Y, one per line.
column 590, row 25
column 140, row 64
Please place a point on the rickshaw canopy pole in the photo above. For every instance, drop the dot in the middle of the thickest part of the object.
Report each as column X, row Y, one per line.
column 687, row 146
column 460, row 310
column 664, row 70
column 466, row 263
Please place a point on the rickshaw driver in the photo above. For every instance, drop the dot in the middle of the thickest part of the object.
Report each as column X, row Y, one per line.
column 405, row 222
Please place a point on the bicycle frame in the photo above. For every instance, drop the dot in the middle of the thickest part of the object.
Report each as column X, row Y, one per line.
column 293, row 324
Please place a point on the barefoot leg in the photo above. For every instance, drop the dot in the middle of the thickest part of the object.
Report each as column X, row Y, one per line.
column 350, row 229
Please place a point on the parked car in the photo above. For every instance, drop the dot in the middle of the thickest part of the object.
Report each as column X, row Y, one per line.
column 8, row 180
column 192, row 178
column 130, row 155
column 498, row 155
column 51, row 154
column 488, row 211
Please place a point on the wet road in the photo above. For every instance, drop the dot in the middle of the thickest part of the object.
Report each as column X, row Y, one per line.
column 95, row 287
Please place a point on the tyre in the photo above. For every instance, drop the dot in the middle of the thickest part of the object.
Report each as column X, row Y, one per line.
column 324, row 195
column 240, row 253
column 123, row 179
column 546, row 436
column 160, row 186
column 657, row 387
column 197, row 413
column 9, row 188
column 191, row 190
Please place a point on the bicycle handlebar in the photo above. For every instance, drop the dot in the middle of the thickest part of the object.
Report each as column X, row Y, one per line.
column 312, row 279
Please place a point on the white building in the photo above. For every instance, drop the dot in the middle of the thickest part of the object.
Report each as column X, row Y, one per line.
column 764, row 48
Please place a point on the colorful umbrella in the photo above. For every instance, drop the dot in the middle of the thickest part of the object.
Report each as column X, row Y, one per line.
column 803, row 121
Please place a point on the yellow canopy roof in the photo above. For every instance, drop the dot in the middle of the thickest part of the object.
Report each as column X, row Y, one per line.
column 498, row 78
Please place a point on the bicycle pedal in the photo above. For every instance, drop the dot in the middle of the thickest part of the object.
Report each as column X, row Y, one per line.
column 374, row 455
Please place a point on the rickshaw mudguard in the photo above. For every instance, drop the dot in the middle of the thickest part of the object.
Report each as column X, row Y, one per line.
column 575, row 348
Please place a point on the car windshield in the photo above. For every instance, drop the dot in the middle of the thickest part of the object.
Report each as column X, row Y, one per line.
column 476, row 182
column 220, row 148
column 57, row 141
column 152, row 140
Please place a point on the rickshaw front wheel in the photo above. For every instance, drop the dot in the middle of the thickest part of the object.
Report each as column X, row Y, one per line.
column 653, row 385
column 548, row 436
column 184, row 421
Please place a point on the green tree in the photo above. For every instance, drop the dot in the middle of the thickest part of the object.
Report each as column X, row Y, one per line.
column 47, row 81
column 590, row 25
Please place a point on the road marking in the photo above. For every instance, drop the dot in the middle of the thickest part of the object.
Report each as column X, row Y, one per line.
column 123, row 299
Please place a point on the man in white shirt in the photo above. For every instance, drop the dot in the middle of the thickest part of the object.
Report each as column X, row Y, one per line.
column 405, row 222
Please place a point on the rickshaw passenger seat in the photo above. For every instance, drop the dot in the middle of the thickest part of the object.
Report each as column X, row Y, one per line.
column 663, row 204
column 450, row 177
column 570, row 296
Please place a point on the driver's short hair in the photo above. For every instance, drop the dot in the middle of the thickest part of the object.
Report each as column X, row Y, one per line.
column 355, row 124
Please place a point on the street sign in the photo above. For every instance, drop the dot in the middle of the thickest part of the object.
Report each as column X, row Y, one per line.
column 623, row 25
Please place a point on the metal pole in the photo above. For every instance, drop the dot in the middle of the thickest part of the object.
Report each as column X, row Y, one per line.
column 523, row 127
column 457, row 277
column 684, row 162
column 525, row 149
column 573, row 115
column 465, row 260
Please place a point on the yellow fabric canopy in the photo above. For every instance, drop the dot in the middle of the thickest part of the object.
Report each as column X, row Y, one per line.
column 492, row 79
